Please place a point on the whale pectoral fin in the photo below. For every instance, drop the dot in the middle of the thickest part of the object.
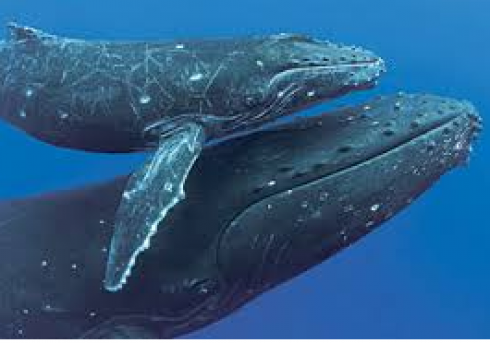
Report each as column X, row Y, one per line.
column 150, row 193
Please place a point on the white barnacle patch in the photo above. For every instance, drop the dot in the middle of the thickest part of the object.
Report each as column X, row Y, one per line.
column 180, row 46
column 168, row 186
column 92, row 314
column 375, row 207
column 344, row 235
column 196, row 77
column 25, row 311
column 63, row 114
column 144, row 99
column 102, row 222
column 348, row 208
column 44, row 263
column 311, row 94
column 22, row 114
column 324, row 196
column 29, row 92
column 280, row 94
column 260, row 64
column 271, row 183
column 127, row 195
column 74, row 266
column 459, row 146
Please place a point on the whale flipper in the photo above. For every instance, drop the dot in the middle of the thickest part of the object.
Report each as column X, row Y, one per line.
column 150, row 193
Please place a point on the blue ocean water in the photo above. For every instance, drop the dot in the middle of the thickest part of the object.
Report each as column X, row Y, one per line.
column 425, row 273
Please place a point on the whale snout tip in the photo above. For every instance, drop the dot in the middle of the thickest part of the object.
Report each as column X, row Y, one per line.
column 455, row 124
column 366, row 74
column 361, row 67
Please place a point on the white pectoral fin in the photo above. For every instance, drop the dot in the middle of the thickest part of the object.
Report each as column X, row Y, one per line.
column 150, row 193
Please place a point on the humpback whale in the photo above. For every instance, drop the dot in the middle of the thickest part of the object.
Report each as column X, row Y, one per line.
column 170, row 97
column 261, row 209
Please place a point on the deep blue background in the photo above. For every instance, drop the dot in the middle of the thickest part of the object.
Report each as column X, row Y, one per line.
column 427, row 272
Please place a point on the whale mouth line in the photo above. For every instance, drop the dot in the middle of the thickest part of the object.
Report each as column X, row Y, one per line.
column 326, row 66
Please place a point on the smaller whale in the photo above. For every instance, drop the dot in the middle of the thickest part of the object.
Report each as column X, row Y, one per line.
column 171, row 97
column 262, row 209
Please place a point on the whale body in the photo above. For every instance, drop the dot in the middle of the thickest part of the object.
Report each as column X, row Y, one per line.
column 171, row 97
column 261, row 209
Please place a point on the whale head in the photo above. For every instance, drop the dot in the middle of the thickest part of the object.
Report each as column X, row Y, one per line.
column 292, row 72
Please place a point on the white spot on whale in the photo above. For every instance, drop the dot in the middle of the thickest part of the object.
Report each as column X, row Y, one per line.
column 145, row 99
column 29, row 92
column 196, row 77
column 179, row 46
column 168, row 186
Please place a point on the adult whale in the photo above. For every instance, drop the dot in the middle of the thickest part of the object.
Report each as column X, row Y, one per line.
column 261, row 210
column 172, row 96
